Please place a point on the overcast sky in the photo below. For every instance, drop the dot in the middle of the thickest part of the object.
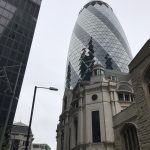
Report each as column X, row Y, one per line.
column 47, row 60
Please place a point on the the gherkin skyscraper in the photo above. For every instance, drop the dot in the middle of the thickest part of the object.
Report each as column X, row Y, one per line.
column 97, row 38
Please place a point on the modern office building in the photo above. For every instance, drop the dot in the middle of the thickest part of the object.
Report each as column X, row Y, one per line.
column 18, row 19
column 97, row 38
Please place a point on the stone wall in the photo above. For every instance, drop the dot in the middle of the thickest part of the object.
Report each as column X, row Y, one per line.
column 138, row 70
column 126, row 116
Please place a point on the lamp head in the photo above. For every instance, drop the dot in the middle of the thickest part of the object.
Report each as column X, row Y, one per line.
column 53, row 89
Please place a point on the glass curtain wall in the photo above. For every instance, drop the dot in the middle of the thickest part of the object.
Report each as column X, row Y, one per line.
column 97, row 38
column 17, row 24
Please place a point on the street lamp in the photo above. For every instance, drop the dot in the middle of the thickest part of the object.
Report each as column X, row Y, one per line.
column 30, row 122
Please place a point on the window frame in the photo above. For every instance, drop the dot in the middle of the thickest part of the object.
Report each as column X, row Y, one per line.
column 96, row 125
column 125, row 94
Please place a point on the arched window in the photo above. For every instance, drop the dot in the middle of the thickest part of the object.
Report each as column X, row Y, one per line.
column 130, row 137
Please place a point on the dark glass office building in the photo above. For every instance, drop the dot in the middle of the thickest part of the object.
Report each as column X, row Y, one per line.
column 17, row 24
column 97, row 38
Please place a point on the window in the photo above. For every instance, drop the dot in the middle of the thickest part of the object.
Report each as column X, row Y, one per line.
column 124, row 96
column 127, row 97
column 102, row 72
column 24, row 143
column 113, row 78
column 120, row 96
column 149, row 83
column 76, row 130
column 94, row 97
column 75, row 104
column 98, row 72
column 130, row 138
column 65, row 103
column 132, row 98
column 35, row 146
column 62, row 140
column 96, row 127
column 69, row 137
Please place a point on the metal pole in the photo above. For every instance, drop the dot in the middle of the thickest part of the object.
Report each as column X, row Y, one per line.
column 29, row 128
column 9, row 110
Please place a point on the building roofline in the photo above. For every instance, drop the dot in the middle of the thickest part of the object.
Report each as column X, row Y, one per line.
column 141, row 55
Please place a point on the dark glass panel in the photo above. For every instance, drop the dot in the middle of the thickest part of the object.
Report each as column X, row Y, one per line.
column 96, row 127
column 76, row 130
column 120, row 96
column 127, row 98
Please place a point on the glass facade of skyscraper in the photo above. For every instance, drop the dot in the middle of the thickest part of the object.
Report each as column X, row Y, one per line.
column 17, row 24
column 97, row 38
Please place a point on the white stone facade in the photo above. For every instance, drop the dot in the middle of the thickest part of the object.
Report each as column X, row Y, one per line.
column 75, row 130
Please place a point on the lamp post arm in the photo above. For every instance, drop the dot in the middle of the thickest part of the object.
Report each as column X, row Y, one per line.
column 42, row 87
column 29, row 128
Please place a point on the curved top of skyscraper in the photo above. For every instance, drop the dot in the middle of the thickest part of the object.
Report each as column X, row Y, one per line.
column 97, row 38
